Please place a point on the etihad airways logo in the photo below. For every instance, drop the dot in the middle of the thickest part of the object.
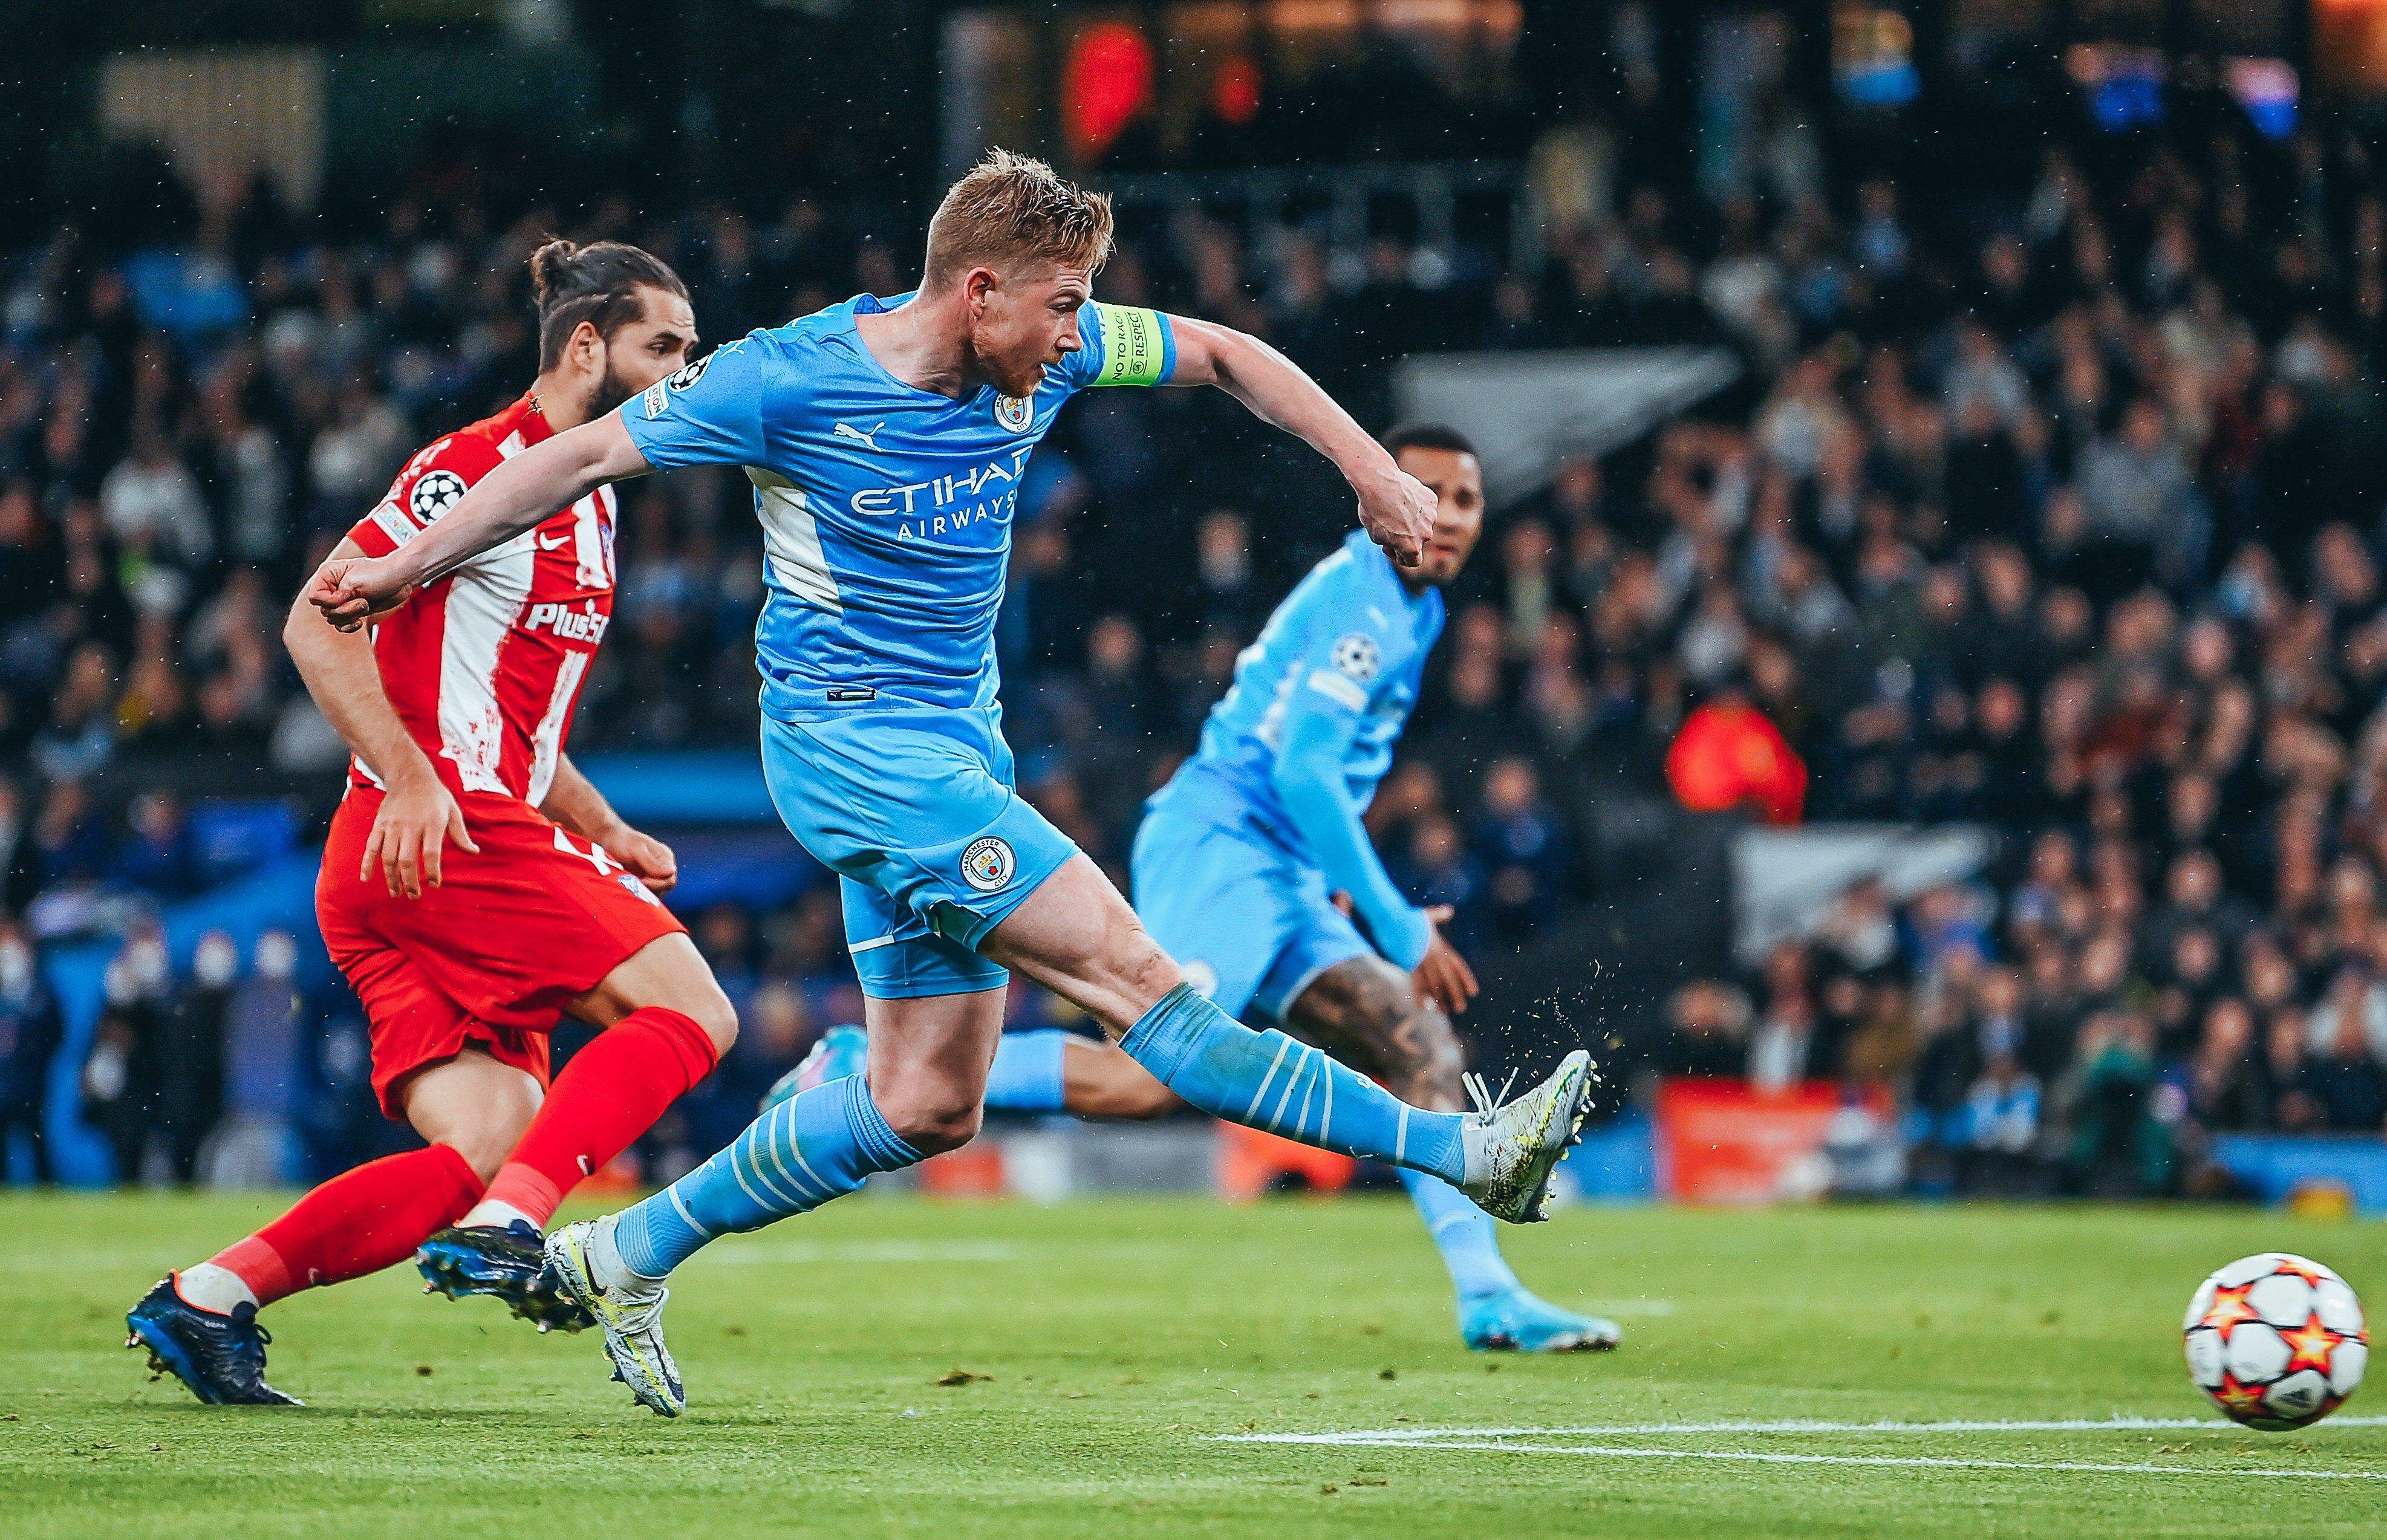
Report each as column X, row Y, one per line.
column 947, row 503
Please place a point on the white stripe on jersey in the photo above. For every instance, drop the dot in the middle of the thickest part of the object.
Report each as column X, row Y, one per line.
column 592, row 570
column 792, row 539
column 548, row 741
column 485, row 600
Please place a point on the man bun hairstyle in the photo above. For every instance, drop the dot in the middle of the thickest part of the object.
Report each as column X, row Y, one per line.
column 598, row 283
column 1008, row 210
column 1429, row 435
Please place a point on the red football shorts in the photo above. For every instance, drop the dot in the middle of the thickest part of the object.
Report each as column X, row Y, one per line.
column 491, row 955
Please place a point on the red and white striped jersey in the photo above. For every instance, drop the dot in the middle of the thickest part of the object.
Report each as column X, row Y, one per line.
column 484, row 666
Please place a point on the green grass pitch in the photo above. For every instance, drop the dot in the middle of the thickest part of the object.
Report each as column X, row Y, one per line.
column 1120, row 1348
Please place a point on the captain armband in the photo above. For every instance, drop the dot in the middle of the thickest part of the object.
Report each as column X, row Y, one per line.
column 1137, row 347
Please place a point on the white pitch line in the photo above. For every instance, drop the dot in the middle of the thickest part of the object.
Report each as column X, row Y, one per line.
column 1623, row 1451
column 1644, row 1430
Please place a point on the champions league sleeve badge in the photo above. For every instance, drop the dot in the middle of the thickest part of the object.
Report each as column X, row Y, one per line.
column 434, row 494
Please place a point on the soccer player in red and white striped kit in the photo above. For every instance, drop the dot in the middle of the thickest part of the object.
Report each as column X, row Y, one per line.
column 475, row 885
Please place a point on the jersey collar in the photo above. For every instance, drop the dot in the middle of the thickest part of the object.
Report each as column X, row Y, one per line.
column 529, row 421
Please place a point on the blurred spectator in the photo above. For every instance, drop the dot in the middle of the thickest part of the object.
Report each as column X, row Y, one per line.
column 1708, row 1028
column 192, row 1043
column 124, row 1076
column 30, row 1034
column 2117, row 1147
column 1520, row 846
column 263, row 1018
column 1999, row 1132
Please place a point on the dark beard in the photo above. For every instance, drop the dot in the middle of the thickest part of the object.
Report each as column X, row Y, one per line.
column 610, row 392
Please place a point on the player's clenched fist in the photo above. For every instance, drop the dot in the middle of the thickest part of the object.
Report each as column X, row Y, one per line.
column 349, row 589
column 1397, row 511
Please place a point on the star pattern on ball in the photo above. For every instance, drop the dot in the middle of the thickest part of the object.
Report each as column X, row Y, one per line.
column 2238, row 1399
column 2312, row 1343
column 2295, row 1266
column 2229, row 1308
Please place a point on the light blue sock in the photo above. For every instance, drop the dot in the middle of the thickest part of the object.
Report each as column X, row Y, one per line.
column 1027, row 1075
column 1267, row 1080
column 1462, row 1232
column 799, row 1155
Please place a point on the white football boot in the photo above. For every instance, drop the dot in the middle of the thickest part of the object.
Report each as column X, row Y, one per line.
column 1512, row 1149
column 629, row 1307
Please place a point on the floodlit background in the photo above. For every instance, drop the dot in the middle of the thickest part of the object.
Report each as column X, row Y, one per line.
column 1923, row 677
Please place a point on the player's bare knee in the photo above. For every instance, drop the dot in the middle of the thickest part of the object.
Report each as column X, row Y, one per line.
column 475, row 1107
column 932, row 1121
column 712, row 1011
column 484, row 1151
column 489, row 1137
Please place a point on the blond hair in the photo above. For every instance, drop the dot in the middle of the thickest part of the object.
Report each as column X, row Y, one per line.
column 1009, row 210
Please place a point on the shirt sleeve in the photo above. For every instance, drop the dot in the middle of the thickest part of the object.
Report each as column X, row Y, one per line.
column 433, row 481
column 1122, row 346
column 1321, row 714
column 709, row 413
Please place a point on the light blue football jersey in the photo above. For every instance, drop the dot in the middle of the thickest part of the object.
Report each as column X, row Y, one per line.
column 1351, row 636
column 886, row 510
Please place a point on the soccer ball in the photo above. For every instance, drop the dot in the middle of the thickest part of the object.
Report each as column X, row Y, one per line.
column 2276, row 1341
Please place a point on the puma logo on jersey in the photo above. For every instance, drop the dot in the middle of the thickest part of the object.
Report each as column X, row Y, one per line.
column 868, row 440
column 582, row 621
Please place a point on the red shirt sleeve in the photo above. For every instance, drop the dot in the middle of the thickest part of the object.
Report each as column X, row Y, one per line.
column 432, row 483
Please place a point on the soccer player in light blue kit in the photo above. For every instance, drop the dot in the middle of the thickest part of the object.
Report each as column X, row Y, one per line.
column 1244, row 856
column 885, row 439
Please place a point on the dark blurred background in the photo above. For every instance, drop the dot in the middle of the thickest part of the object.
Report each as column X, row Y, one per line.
column 1925, row 666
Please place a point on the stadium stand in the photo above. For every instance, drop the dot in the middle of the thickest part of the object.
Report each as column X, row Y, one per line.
column 2055, row 515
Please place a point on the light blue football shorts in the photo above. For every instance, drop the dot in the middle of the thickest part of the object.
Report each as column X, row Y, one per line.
column 1250, row 923
column 914, row 808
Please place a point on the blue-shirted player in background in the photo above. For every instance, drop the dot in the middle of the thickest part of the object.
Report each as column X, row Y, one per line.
column 1245, row 853
column 885, row 440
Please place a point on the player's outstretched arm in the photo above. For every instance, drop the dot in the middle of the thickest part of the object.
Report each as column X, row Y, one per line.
column 575, row 802
column 418, row 815
column 512, row 498
column 1307, row 778
column 1395, row 508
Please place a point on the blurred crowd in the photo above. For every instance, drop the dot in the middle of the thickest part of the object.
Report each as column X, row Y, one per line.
column 2046, row 508
column 2069, row 532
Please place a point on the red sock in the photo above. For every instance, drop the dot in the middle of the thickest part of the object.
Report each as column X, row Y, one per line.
column 360, row 1221
column 611, row 1092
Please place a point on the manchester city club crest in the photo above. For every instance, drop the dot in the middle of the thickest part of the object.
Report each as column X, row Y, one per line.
column 987, row 863
column 1015, row 412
